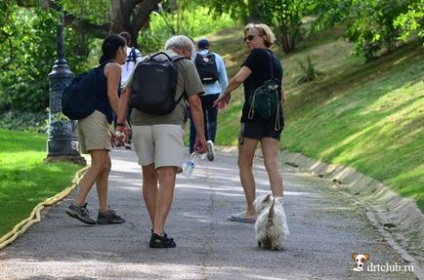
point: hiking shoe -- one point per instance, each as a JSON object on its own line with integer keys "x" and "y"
{"x": 161, "y": 242}
{"x": 210, "y": 150}
{"x": 109, "y": 218}
{"x": 128, "y": 146}
{"x": 80, "y": 212}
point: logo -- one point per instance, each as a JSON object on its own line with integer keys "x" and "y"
{"x": 360, "y": 261}
{"x": 362, "y": 265}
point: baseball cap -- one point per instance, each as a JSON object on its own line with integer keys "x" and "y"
{"x": 203, "y": 44}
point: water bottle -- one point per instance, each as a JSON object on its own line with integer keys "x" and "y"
{"x": 190, "y": 165}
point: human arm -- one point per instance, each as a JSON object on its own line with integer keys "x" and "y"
{"x": 112, "y": 72}
{"x": 123, "y": 107}
{"x": 138, "y": 56}
{"x": 236, "y": 81}
{"x": 222, "y": 73}
{"x": 196, "y": 113}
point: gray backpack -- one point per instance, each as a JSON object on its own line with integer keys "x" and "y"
{"x": 154, "y": 86}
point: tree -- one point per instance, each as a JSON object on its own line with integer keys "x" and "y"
{"x": 284, "y": 16}
{"x": 375, "y": 26}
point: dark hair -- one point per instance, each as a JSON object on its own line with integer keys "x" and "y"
{"x": 127, "y": 37}
{"x": 110, "y": 46}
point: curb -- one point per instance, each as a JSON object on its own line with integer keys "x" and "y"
{"x": 35, "y": 215}
{"x": 398, "y": 219}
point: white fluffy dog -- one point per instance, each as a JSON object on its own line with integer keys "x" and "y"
{"x": 271, "y": 225}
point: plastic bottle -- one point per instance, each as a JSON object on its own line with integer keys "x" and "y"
{"x": 190, "y": 165}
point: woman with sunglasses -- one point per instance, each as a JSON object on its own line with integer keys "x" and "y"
{"x": 260, "y": 65}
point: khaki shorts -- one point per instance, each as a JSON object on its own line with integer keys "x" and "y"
{"x": 93, "y": 133}
{"x": 161, "y": 144}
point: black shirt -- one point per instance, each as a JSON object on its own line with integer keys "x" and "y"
{"x": 260, "y": 62}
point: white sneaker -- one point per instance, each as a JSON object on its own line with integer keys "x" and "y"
{"x": 210, "y": 150}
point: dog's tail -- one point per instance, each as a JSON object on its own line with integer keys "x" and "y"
{"x": 271, "y": 212}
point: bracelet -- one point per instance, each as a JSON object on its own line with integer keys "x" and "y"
{"x": 120, "y": 124}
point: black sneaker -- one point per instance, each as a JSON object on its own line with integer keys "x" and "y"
{"x": 109, "y": 218}
{"x": 157, "y": 241}
{"x": 80, "y": 212}
{"x": 210, "y": 150}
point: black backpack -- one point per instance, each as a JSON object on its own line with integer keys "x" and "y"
{"x": 132, "y": 56}
{"x": 79, "y": 98}
{"x": 155, "y": 84}
{"x": 206, "y": 67}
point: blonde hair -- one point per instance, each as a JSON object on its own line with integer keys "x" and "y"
{"x": 181, "y": 42}
{"x": 264, "y": 30}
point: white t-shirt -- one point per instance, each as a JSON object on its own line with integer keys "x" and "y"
{"x": 129, "y": 63}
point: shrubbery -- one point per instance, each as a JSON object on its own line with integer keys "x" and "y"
{"x": 24, "y": 121}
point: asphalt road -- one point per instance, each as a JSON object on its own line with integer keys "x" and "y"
{"x": 326, "y": 228}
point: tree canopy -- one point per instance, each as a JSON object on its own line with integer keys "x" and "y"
{"x": 28, "y": 33}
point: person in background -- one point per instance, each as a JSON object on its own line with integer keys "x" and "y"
{"x": 212, "y": 71}
{"x": 158, "y": 140}
{"x": 133, "y": 56}
{"x": 93, "y": 134}
{"x": 260, "y": 65}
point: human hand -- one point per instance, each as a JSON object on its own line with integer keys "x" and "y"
{"x": 200, "y": 144}
{"x": 119, "y": 136}
{"x": 222, "y": 101}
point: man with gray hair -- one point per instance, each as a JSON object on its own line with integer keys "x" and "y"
{"x": 158, "y": 139}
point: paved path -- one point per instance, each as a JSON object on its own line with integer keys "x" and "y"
{"x": 326, "y": 228}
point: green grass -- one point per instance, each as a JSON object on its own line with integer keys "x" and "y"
{"x": 25, "y": 180}
{"x": 368, "y": 116}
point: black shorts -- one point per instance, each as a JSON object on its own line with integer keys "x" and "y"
{"x": 258, "y": 131}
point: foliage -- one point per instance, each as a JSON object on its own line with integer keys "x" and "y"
{"x": 25, "y": 62}
{"x": 25, "y": 121}
{"x": 28, "y": 33}
{"x": 412, "y": 21}
{"x": 376, "y": 27}
{"x": 193, "y": 21}
{"x": 308, "y": 72}
{"x": 374, "y": 31}
{"x": 285, "y": 17}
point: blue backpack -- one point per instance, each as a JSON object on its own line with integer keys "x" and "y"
{"x": 79, "y": 98}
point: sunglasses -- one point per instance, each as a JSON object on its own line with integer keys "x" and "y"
{"x": 250, "y": 38}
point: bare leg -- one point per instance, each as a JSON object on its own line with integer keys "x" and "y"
{"x": 245, "y": 163}
{"x": 150, "y": 189}
{"x": 100, "y": 163}
{"x": 164, "y": 197}
{"x": 102, "y": 184}
{"x": 270, "y": 152}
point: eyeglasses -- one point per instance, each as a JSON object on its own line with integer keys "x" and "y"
{"x": 250, "y": 38}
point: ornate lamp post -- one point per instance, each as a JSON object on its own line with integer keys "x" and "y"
{"x": 62, "y": 143}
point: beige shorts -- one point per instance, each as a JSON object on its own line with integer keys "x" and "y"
{"x": 161, "y": 144}
{"x": 93, "y": 133}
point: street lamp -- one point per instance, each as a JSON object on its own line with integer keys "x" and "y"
{"x": 62, "y": 143}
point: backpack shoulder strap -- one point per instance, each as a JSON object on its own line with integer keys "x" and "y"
{"x": 133, "y": 55}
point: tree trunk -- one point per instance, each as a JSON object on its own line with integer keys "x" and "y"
{"x": 131, "y": 16}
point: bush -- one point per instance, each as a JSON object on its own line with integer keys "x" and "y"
{"x": 308, "y": 71}
{"x": 24, "y": 121}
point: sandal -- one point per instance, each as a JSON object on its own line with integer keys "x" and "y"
{"x": 157, "y": 241}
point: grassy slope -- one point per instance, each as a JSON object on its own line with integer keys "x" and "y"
{"x": 25, "y": 180}
{"x": 368, "y": 116}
